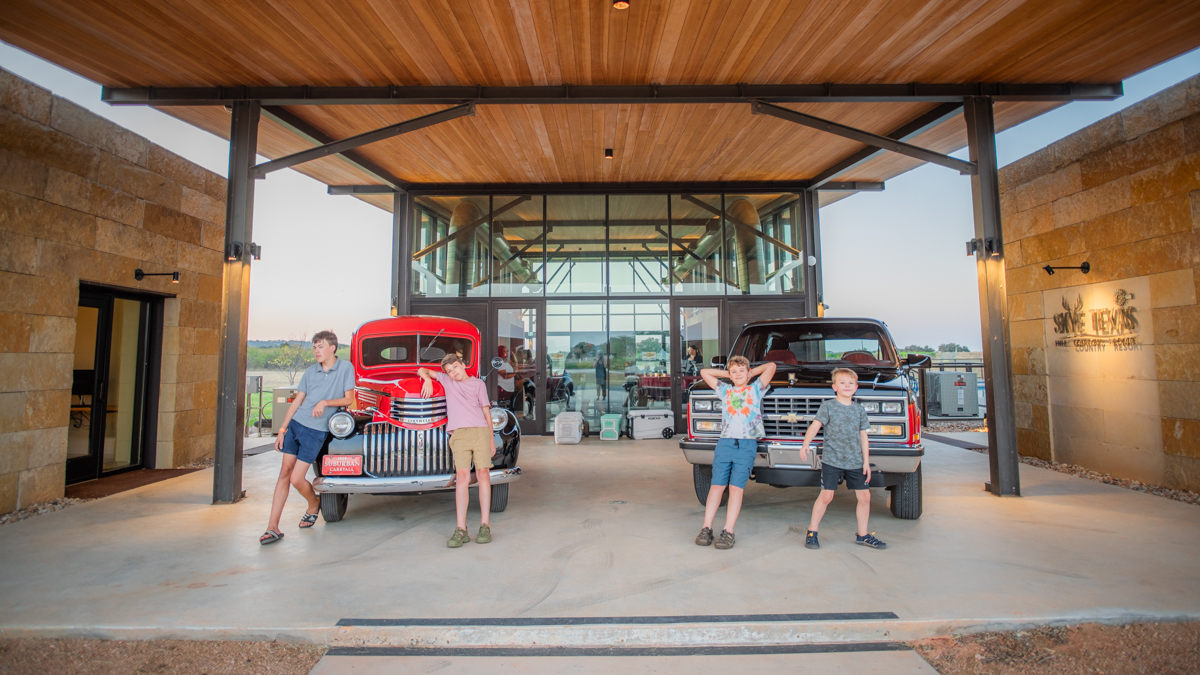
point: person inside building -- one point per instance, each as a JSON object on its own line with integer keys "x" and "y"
{"x": 505, "y": 380}
{"x": 325, "y": 386}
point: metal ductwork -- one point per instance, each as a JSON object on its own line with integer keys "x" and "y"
{"x": 461, "y": 262}
{"x": 749, "y": 250}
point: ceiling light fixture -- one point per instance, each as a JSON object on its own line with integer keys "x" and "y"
{"x": 608, "y": 153}
{"x": 620, "y": 4}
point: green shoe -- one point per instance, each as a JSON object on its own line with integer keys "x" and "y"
{"x": 484, "y": 536}
{"x": 460, "y": 537}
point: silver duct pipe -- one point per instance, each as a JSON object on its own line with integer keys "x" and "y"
{"x": 460, "y": 251}
{"x": 750, "y": 253}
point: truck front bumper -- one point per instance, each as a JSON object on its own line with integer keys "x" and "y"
{"x": 785, "y": 455}
{"x": 401, "y": 484}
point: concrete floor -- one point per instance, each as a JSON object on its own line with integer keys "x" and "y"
{"x": 599, "y": 530}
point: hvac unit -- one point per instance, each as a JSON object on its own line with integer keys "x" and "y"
{"x": 952, "y": 394}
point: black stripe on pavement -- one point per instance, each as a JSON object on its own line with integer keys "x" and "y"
{"x": 521, "y": 652}
{"x": 606, "y": 620}
{"x": 970, "y": 445}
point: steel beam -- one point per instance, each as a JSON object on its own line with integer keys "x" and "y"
{"x": 310, "y": 133}
{"x": 699, "y": 188}
{"x": 605, "y": 94}
{"x": 235, "y": 303}
{"x": 401, "y": 244}
{"x": 390, "y": 131}
{"x": 763, "y": 108}
{"x": 360, "y": 190}
{"x": 916, "y": 127}
{"x": 993, "y": 301}
{"x": 810, "y": 231}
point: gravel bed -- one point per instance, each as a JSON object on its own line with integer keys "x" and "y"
{"x": 119, "y": 657}
{"x": 1166, "y": 648}
{"x": 955, "y": 427}
{"x": 202, "y": 463}
{"x": 38, "y": 509}
{"x": 1075, "y": 470}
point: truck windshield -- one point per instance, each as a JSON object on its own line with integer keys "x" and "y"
{"x": 833, "y": 343}
{"x": 391, "y": 350}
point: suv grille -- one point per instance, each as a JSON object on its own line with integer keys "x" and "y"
{"x": 419, "y": 410}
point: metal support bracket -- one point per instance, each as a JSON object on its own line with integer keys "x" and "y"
{"x": 764, "y": 108}
{"x": 336, "y": 147}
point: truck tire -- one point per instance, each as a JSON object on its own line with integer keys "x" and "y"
{"x": 499, "y": 497}
{"x": 906, "y": 497}
{"x": 702, "y": 477}
{"x": 333, "y": 506}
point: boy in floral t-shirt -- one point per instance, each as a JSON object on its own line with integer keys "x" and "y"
{"x": 741, "y": 415}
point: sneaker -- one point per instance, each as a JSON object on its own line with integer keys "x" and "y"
{"x": 460, "y": 537}
{"x": 725, "y": 540}
{"x": 810, "y": 540}
{"x": 484, "y": 536}
{"x": 705, "y": 538}
{"x": 869, "y": 540}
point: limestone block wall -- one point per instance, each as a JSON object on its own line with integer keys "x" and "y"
{"x": 1107, "y": 364}
{"x": 84, "y": 200}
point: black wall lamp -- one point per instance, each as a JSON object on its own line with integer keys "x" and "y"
{"x": 138, "y": 275}
{"x": 608, "y": 153}
{"x": 1085, "y": 268}
{"x": 990, "y": 246}
{"x": 235, "y": 251}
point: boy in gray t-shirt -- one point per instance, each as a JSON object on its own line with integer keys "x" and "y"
{"x": 845, "y": 455}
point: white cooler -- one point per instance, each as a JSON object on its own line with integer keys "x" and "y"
{"x": 568, "y": 428}
{"x": 645, "y": 424}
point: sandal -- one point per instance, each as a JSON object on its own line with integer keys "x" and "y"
{"x": 308, "y": 521}
{"x": 270, "y": 537}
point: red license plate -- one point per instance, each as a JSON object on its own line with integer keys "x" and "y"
{"x": 342, "y": 465}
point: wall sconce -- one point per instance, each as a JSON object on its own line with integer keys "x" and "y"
{"x": 138, "y": 275}
{"x": 1085, "y": 268}
{"x": 608, "y": 154}
{"x": 234, "y": 252}
{"x": 990, "y": 246}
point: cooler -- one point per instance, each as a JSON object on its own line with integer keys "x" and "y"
{"x": 568, "y": 428}
{"x": 610, "y": 427}
{"x": 645, "y": 424}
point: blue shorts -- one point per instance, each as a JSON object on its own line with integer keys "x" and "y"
{"x": 733, "y": 460}
{"x": 303, "y": 442}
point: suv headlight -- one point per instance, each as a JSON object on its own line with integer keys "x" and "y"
{"x": 341, "y": 424}
{"x": 498, "y": 419}
{"x": 702, "y": 404}
{"x": 870, "y": 406}
{"x": 886, "y": 430}
{"x": 893, "y": 407}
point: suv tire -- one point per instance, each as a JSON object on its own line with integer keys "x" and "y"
{"x": 906, "y": 496}
{"x": 333, "y": 506}
{"x": 499, "y": 497}
{"x": 702, "y": 477}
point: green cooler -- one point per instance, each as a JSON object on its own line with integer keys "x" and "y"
{"x": 610, "y": 427}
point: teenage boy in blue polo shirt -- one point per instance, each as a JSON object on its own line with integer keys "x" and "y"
{"x": 326, "y": 386}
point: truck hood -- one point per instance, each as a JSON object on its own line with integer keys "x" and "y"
{"x": 869, "y": 377}
{"x": 399, "y": 384}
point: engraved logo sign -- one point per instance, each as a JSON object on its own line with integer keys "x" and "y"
{"x": 1108, "y": 317}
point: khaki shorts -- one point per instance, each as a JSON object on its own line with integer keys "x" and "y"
{"x": 468, "y": 442}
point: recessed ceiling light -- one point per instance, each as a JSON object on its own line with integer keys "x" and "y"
{"x": 608, "y": 154}
{"x": 621, "y": 4}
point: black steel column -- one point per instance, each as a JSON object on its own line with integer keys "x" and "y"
{"x": 402, "y": 232}
{"x": 235, "y": 303}
{"x": 993, "y": 301}
{"x": 811, "y": 229}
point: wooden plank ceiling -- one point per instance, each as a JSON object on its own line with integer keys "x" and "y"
{"x": 126, "y": 43}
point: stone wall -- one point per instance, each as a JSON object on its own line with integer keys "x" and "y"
{"x": 84, "y": 200}
{"x": 1107, "y": 364}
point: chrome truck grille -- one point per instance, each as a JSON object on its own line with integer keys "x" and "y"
{"x": 419, "y": 410}
{"x": 392, "y": 451}
{"x": 789, "y": 415}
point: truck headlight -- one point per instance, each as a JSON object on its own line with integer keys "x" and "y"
{"x": 886, "y": 430}
{"x": 893, "y": 408}
{"x": 498, "y": 419}
{"x": 705, "y": 425}
{"x": 341, "y": 424}
{"x": 700, "y": 404}
{"x": 870, "y": 406}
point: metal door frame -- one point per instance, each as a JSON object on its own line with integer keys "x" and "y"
{"x": 537, "y": 426}
{"x": 677, "y": 304}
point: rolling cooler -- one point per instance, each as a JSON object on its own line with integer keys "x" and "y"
{"x": 568, "y": 428}
{"x": 645, "y": 424}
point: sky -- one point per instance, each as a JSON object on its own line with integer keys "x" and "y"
{"x": 896, "y": 255}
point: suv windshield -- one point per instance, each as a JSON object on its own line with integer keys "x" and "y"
{"x": 834, "y": 343}
{"x": 390, "y": 350}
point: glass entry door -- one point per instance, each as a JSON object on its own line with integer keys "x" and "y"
{"x": 519, "y": 382}
{"x": 696, "y": 338}
{"x": 109, "y": 386}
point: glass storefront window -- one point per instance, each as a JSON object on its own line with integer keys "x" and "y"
{"x": 517, "y": 245}
{"x": 637, "y": 244}
{"x": 696, "y": 243}
{"x": 452, "y": 246}
{"x": 576, "y": 249}
{"x": 757, "y": 261}
{"x": 639, "y": 374}
{"x": 576, "y": 342}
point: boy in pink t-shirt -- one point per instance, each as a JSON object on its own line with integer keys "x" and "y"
{"x": 468, "y": 421}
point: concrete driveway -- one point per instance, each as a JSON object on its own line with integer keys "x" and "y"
{"x": 601, "y": 532}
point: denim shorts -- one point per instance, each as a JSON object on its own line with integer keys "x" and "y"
{"x": 733, "y": 460}
{"x": 832, "y": 475}
{"x": 303, "y": 442}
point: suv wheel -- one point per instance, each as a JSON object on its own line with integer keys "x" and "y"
{"x": 702, "y": 477}
{"x": 906, "y": 497}
{"x": 333, "y": 506}
{"x": 499, "y": 497}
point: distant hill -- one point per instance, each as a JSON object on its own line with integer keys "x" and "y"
{"x": 267, "y": 344}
